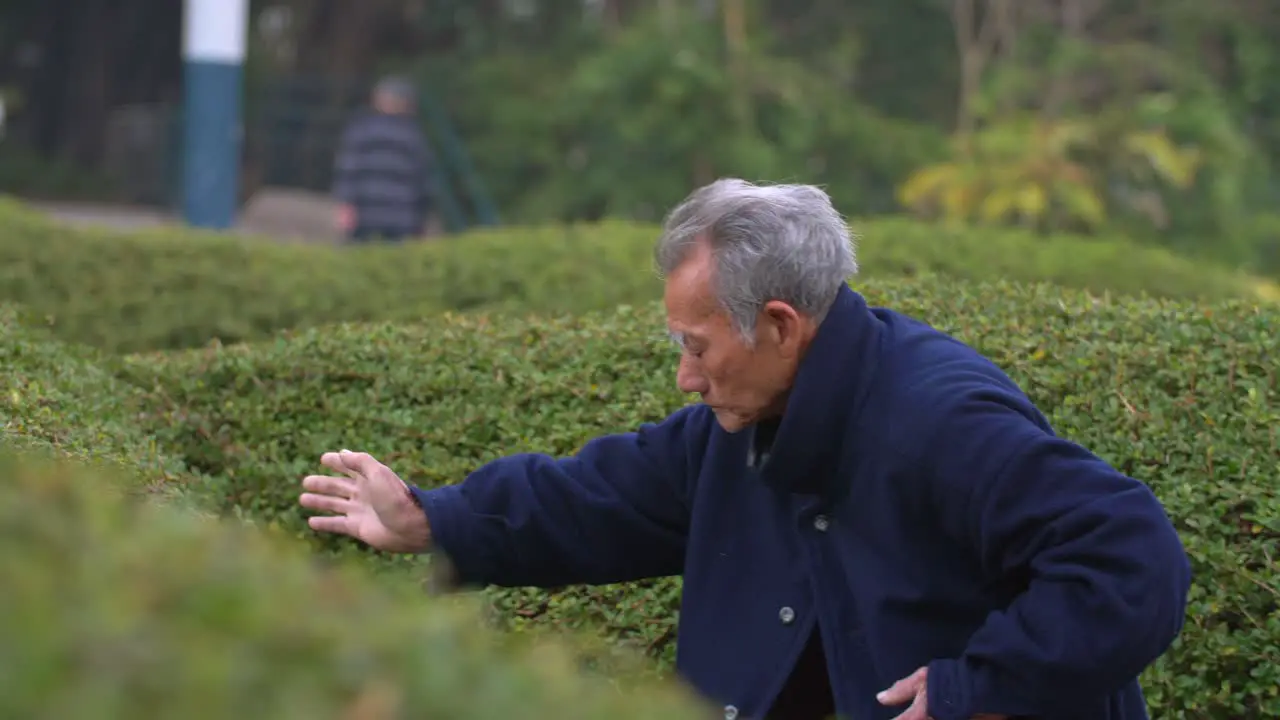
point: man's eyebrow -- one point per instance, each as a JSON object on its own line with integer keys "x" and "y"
{"x": 683, "y": 339}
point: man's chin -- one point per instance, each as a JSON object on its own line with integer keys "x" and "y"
{"x": 731, "y": 422}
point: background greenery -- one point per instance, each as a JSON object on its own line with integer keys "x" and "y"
{"x": 170, "y": 289}
{"x": 1155, "y": 120}
{"x": 1083, "y": 190}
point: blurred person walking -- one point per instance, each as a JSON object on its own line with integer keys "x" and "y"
{"x": 382, "y": 169}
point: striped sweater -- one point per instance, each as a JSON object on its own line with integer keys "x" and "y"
{"x": 383, "y": 170}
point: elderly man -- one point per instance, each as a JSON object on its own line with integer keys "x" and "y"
{"x": 870, "y": 518}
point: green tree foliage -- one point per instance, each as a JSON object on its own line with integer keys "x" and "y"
{"x": 859, "y": 97}
{"x": 666, "y": 103}
{"x": 575, "y": 110}
{"x": 1032, "y": 172}
{"x": 1071, "y": 133}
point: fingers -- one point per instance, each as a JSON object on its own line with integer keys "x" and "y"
{"x": 351, "y": 463}
{"x": 904, "y": 690}
{"x": 363, "y": 463}
{"x": 339, "y": 524}
{"x": 326, "y": 503}
{"x": 917, "y": 711}
{"x": 339, "y": 487}
{"x": 333, "y": 461}
{"x": 909, "y": 689}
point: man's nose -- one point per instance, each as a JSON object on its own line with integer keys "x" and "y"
{"x": 689, "y": 379}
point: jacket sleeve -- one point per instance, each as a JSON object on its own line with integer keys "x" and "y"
{"x": 618, "y": 510}
{"x": 1108, "y": 576}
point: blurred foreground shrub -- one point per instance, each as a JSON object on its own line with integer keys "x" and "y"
{"x": 119, "y": 609}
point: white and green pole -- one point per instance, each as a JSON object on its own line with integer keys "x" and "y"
{"x": 215, "y": 34}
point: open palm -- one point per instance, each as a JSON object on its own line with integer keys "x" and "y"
{"x": 370, "y": 503}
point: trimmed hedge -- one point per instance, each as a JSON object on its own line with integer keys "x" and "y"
{"x": 115, "y": 608}
{"x": 1181, "y": 396}
{"x": 60, "y": 398}
{"x": 170, "y": 288}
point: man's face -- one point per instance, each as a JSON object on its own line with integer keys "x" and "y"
{"x": 742, "y": 384}
{"x": 390, "y": 104}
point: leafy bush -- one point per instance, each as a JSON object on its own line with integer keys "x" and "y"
{"x": 169, "y": 288}
{"x": 57, "y": 397}
{"x": 1181, "y": 396}
{"x": 114, "y": 608}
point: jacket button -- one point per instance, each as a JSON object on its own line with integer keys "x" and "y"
{"x": 821, "y": 523}
{"x": 730, "y": 712}
{"x": 786, "y": 615}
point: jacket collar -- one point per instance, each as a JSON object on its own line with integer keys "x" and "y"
{"x": 830, "y": 388}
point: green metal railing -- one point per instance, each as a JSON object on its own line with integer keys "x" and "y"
{"x": 455, "y": 157}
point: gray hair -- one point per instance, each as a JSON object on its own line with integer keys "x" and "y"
{"x": 768, "y": 242}
{"x": 396, "y": 86}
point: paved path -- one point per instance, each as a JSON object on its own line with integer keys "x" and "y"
{"x": 279, "y": 214}
{"x": 114, "y": 216}
{"x": 286, "y": 215}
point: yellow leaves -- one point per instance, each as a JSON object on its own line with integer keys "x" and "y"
{"x": 929, "y": 181}
{"x": 996, "y": 205}
{"x": 1032, "y": 200}
{"x": 1170, "y": 163}
{"x": 1017, "y": 171}
{"x": 1084, "y": 204}
{"x": 1265, "y": 290}
{"x": 1049, "y": 173}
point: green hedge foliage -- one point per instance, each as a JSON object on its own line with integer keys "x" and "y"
{"x": 115, "y": 608}
{"x": 1179, "y": 395}
{"x": 61, "y": 398}
{"x": 171, "y": 288}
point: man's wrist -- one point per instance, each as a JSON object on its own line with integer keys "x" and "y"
{"x": 418, "y": 529}
{"x": 950, "y": 696}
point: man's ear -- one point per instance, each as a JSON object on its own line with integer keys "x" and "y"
{"x": 785, "y": 327}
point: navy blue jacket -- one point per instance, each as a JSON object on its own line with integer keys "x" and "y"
{"x": 915, "y": 505}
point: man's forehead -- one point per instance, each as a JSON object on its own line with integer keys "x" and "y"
{"x": 683, "y": 331}
{"x": 690, "y": 298}
{"x": 692, "y": 308}
{"x": 693, "y": 275}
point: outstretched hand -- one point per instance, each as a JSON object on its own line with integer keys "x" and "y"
{"x": 371, "y": 504}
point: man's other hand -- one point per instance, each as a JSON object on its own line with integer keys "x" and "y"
{"x": 370, "y": 503}
{"x": 346, "y": 217}
{"x": 914, "y": 689}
